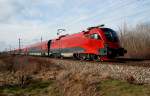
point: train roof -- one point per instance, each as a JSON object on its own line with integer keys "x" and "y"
{"x": 36, "y": 44}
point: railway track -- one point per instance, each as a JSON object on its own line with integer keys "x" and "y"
{"x": 118, "y": 61}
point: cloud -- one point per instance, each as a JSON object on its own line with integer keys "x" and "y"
{"x": 7, "y": 10}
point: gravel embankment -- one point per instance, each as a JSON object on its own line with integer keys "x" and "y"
{"x": 123, "y": 72}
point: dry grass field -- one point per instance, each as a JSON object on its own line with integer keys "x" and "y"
{"x": 36, "y": 76}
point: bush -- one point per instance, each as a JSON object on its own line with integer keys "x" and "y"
{"x": 22, "y": 68}
{"x": 136, "y": 40}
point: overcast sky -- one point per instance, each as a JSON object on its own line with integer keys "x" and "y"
{"x": 31, "y": 19}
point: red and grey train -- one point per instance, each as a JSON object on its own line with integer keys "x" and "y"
{"x": 97, "y": 43}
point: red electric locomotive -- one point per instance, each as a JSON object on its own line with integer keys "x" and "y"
{"x": 97, "y": 43}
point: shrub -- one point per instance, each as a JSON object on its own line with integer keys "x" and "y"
{"x": 136, "y": 40}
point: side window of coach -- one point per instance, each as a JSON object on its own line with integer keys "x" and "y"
{"x": 95, "y": 36}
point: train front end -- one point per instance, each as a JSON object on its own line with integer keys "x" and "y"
{"x": 111, "y": 45}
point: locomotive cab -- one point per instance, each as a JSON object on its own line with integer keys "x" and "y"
{"x": 112, "y": 47}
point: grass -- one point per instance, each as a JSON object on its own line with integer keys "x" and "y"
{"x": 120, "y": 88}
{"x": 107, "y": 87}
{"x": 22, "y": 70}
{"x": 38, "y": 87}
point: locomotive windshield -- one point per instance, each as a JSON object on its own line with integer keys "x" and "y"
{"x": 110, "y": 34}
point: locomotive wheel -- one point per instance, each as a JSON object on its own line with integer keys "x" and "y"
{"x": 94, "y": 57}
{"x": 97, "y": 58}
{"x": 76, "y": 56}
{"x": 82, "y": 56}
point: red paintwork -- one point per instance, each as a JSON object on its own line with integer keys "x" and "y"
{"x": 79, "y": 40}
